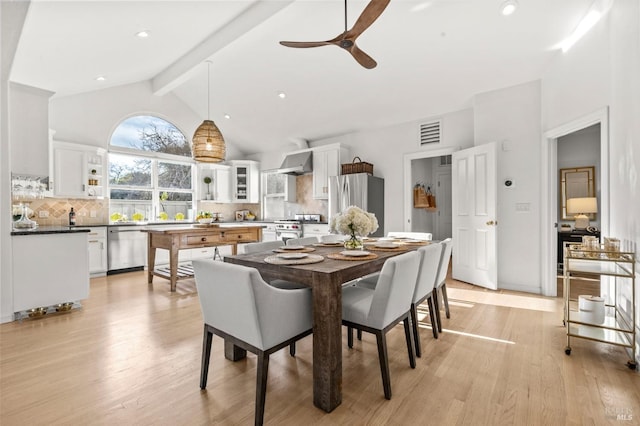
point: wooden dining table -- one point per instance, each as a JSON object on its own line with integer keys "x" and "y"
{"x": 325, "y": 279}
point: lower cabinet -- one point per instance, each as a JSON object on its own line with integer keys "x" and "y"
{"x": 97, "y": 239}
{"x": 314, "y": 229}
{"x": 49, "y": 269}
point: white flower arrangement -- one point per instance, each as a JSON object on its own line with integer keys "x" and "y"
{"x": 354, "y": 222}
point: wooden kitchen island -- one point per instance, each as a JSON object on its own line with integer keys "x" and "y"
{"x": 176, "y": 239}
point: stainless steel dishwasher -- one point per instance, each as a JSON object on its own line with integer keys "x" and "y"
{"x": 126, "y": 248}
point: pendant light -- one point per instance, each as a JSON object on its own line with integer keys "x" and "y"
{"x": 208, "y": 143}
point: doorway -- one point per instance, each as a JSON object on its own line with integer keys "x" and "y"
{"x": 550, "y": 188}
{"x": 433, "y": 170}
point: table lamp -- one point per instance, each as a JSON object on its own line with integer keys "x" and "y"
{"x": 580, "y": 207}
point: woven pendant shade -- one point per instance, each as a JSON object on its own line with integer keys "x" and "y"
{"x": 208, "y": 143}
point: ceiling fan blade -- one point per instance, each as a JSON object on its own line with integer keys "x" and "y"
{"x": 362, "y": 58}
{"x": 304, "y": 43}
{"x": 368, "y": 16}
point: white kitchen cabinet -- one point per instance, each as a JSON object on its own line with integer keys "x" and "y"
{"x": 245, "y": 181}
{"x": 49, "y": 269}
{"x": 79, "y": 171}
{"x": 314, "y": 229}
{"x": 326, "y": 162}
{"x": 219, "y": 189}
{"x": 97, "y": 239}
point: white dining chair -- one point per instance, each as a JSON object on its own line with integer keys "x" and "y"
{"x": 304, "y": 241}
{"x": 269, "y": 246}
{"x": 240, "y": 307}
{"x": 441, "y": 281}
{"x": 414, "y": 235}
{"x": 379, "y": 310}
{"x": 331, "y": 238}
{"x": 425, "y": 283}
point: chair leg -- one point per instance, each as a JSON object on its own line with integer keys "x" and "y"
{"x": 207, "y": 338}
{"x": 445, "y": 300}
{"x": 436, "y": 304}
{"x": 409, "y": 336}
{"x": 384, "y": 363}
{"x": 350, "y": 337}
{"x": 432, "y": 317}
{"x": 261, "y": 386}
{"x": 416, "y": 333}
{"x": 292, "y": 349}
{"x": 359, "y": 334}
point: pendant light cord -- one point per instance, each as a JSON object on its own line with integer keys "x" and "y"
{"x": 208, "y": 90}
{"x": 345, "y": 16}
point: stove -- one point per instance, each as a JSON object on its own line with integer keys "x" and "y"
{"x": 292, "y": 228}
{"x": 287, "y": 229}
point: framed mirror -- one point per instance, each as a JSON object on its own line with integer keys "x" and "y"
{"x": 576, "y": 182}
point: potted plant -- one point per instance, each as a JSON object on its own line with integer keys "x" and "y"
{"x": 207, "y": 180}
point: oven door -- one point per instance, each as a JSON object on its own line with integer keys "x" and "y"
{"x": 284, "y": 235}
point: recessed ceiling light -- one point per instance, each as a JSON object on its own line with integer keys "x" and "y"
{"x": 282, "y": 95}
{"x": 101, "y": 78}
{"x": 508, "y": 7}
{"x": 143, "y": 34}
{"x": 227, "y": 116}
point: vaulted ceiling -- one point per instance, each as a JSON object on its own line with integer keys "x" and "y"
{"x": 433, "y": 56}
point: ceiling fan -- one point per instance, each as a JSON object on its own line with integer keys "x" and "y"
{"x": 347, "y": 40}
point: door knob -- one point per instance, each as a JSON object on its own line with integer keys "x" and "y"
{"x": 490, "y": 222}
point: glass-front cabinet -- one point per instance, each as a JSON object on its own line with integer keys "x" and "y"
{"x": 245, "y": 182}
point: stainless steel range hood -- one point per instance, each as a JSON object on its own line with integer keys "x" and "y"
{"x": 297, "y": 164}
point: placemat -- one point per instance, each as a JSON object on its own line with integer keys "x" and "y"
{"x": 302, "y": 250}
{"x": 312, "y": 258}
{"x": 328, "y": 244}
{"x": 372, "y": 247}
{"x": 338, "y": 256}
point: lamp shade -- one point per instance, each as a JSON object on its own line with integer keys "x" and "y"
{"x": 582, "y": 205}
{"x": 208, "y": 143}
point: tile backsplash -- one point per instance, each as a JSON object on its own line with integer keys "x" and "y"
{"x": 88, "y": 212}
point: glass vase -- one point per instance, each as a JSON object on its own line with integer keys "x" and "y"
{"x": 353, "y": 243}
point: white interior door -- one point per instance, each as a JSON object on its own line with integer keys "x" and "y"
{"x": 474, "y": 216}
{"x": 443, "y": 201}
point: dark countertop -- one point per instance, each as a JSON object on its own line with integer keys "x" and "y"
{"x": 42, "y": 230}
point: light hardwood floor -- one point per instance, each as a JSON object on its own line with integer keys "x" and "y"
{"x": 131, "y": 355}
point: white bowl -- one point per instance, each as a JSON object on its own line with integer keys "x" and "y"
{"x": 291, "y": 247}
{"x": 205, "y": 220}
{"x": 355, "y": 253}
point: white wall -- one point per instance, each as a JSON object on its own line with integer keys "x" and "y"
{"x": 511, "y": 117}
{"x": 90, "y": 118}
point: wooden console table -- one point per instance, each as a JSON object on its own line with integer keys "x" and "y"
{"x": 178, "y": 239}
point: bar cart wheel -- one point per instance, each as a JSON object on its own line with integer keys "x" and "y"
{"x": 632, "y": 365}
{"x": 567, "y": 351}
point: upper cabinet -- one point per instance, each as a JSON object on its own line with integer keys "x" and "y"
{"x": 79, "y": 171}
{"x": 326, "y": 162}
{"x": 245, "y": 181}
{"x": 219, "y": 187}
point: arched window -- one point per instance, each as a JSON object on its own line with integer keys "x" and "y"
{"x": 150, "y": 171}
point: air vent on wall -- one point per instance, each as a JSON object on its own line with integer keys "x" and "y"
{"x": 430, "y": 132}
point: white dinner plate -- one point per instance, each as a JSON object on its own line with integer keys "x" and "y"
{"x": 292, "y": 255}
{"x": 291, "y": 247}
{"x": 413, "y": 241}
{"x": 355, "y": 253}
{"x": 386, "y": 244}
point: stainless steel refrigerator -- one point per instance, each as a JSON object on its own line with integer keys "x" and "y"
{"x": 361, "y": 190}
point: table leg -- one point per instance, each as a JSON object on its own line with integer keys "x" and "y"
{"x": 327, "y": 342}
{"x": 151, "y": 259}
{"x": 173, "y": 266}
{"x": 233, "y": 352}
